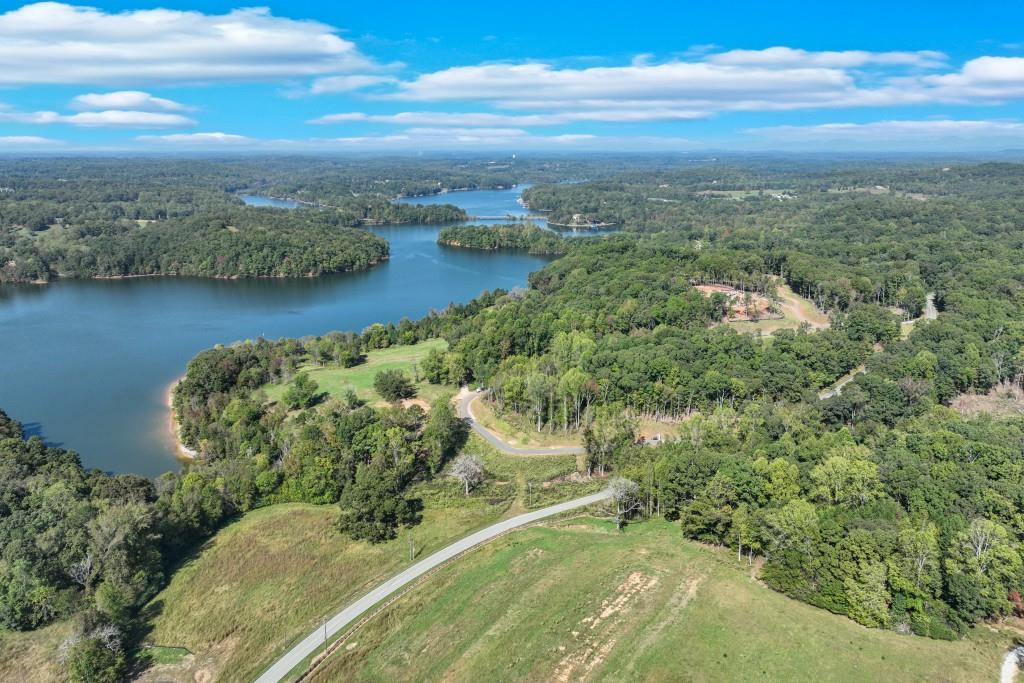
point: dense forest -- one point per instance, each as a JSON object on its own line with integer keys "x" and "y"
{"x": 232, "y": 242}
{"x": 527, "y": 237}
{"x": 879, "y": 501}
{"x": 114, "y": 218}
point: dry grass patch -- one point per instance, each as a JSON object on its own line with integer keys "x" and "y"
{"x": 265, "y": 581}
{"x": 1004, "y": 400}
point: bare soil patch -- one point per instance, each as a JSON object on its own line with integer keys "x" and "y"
{"x": 598, "y": 633}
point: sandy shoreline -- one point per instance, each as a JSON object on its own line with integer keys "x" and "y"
{"x": 181, "y": 449}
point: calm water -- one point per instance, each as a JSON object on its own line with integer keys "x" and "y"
{"x": 259, "y": 200}
{"x": 86, "y": 364}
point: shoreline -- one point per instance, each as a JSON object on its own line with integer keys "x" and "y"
{"x": 181, "y": 450}
{"x": 137, "y": 276}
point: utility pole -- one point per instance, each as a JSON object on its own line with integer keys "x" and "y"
{"x": 412, "y": 548}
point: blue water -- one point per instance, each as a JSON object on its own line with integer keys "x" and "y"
{"x": 86, "y": 364}
{"x": 260, "y": 200}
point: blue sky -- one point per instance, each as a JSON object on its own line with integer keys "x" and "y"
{"x": 528, "y": 76}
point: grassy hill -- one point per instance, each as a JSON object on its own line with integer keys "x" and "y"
{"x": 337, "y": 380}
{"x": 264, "y": 581}
{"x": 579, "y": 601}
{"x": 31, "y": 656}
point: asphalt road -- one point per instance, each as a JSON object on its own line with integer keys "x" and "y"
{"x": 350, "y": 614}
{"x": 467, "y": 397}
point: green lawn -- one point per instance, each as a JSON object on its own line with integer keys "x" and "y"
{"x": 579, "y": 601}
{"x": 337, "y": 380}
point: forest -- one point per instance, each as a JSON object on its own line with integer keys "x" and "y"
{"x": 526, "y": 237}
{"x": 98, "y": 218}
{"x": 879, "y": 502}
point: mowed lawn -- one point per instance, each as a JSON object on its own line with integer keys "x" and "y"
{"x": 264, "y": 581}
{"x": 580, "y": 601}
{"x": 337, "y": 380}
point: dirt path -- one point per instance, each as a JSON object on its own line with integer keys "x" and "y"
{"x": 802, "y": 310}
{"x": 930, "y": 313}
{"x": 1011, "y": 665}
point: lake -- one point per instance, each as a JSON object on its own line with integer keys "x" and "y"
{"x": 87, "y": 363}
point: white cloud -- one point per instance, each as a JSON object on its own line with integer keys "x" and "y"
{"x": 937, "y": 134}
{"x": 990, "y": 78}
{"x": 115, "y": 118}
{"x": 25, "y": 141}
{"x": 135, "y": 100}
{"x": 51, "y": 42}
{"x": 201, "y": 138}
{"x": 414, "y": 140}
{"x": 680, "y": 82}
{"x": 780, "y": 56}
{"x": 430, "y": 118}
{"x": 773, "y": 79}
{"x": 112, "y": 118}
{"x": 336, "y": 84}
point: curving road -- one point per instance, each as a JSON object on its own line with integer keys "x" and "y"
{"x": 347, "y": 616}
{"x": 466, "y": 397}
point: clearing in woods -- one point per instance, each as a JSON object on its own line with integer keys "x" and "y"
{"x": 793, "y": 311}
{"x": 336, "y": 380}
{"x": 576, "y": 600}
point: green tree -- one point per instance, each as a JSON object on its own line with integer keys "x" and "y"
{"x": 373, "y": 506}
{"x": 302, "y": 393}
{"x": 393, "y": 385}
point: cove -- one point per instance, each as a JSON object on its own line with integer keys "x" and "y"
{"x": 86, "y": 363}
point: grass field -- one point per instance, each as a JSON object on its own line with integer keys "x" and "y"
{"x": 579, "y": 601}
{"x": 263, "y": 582}
{"x": 795, "y": 311}
{"x": 336, "y": 380}
{"x": 31, "y": 657}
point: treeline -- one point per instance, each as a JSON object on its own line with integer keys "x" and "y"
{"x": 80, "y": 542}
{"x": 618, "y": 321}
{"x": 235, "y": 242}
{"x": 528, "y": 237}
{"x": 108, "y": 218}
{"x": 915, "y": 528}
{"x": 306, "y": 447}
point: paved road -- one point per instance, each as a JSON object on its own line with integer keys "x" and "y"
{"x": 347, "y": 616}
{"x": 466, "y": 397}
